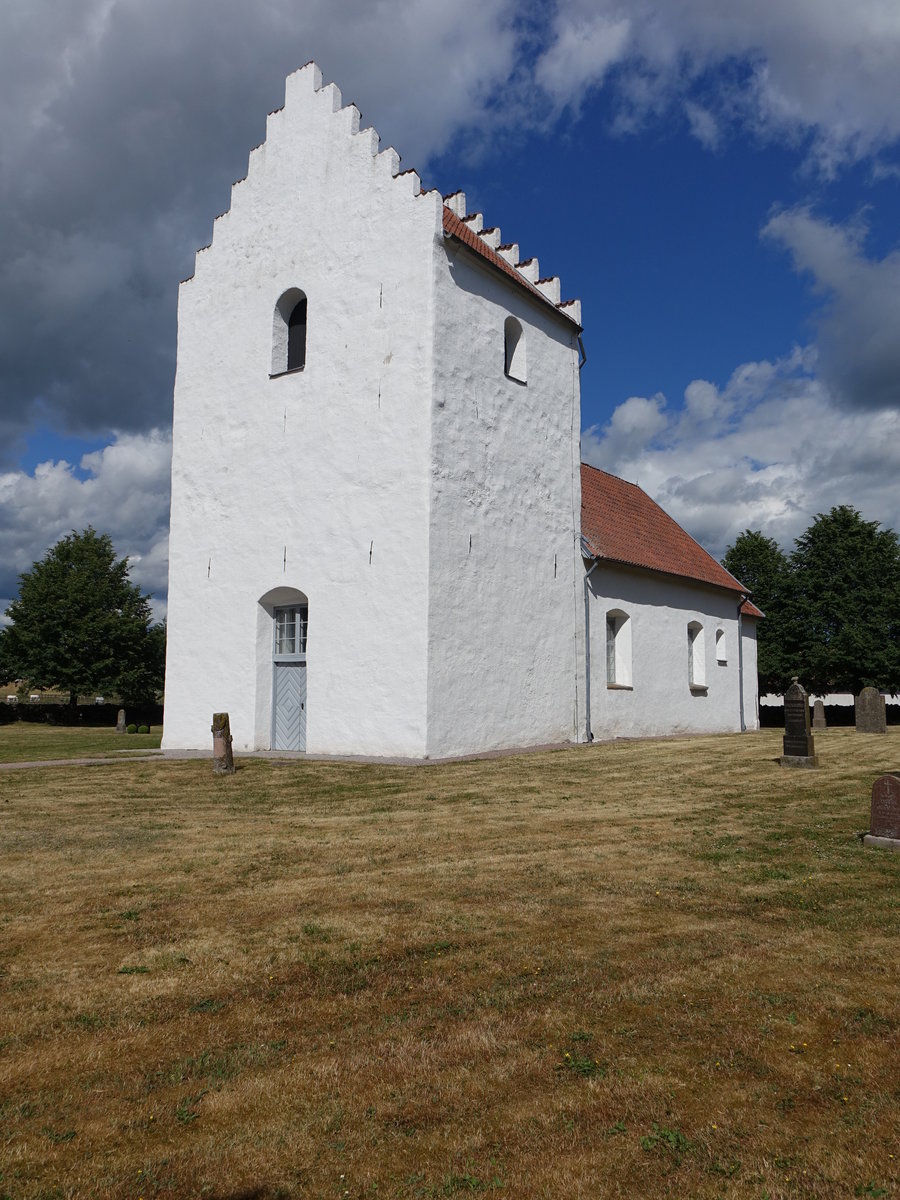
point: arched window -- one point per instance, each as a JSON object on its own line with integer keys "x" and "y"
{"x": 514, "y": 350}
{"x": 721, "y": 647}
{"x": 618, "y": 649}
{"x": 289, "y": 332}
{"x": 696, "y": 656}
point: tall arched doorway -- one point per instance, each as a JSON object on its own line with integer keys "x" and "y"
{"x": 289, "y": 610}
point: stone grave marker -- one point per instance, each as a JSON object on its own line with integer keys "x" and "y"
{"x": 819, "y": 721}
{"x": 799, "y": 744}
{"x": 884, "y": 819}
{"x": 870, "y": 712}
{"x": 223, "y": 758}
{"x": 120, "y": 722}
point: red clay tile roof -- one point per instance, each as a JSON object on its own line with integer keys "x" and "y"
{"x": 457, "y": 228}
{"x": 620, "y": 522}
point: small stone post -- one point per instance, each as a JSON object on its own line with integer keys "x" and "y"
{"x": 120, "y": 722}
{"x": 223, "y": 758}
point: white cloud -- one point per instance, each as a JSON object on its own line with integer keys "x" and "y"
{"x": 634, "y": 424}
{"x": 788, "y": 68}
{"x": 859, "y": 327}
{"x": 768, "y": 451}
{"x": 704, "y": 125}
{"x": 585, "y": 46}
{"x": 126, "y": 494}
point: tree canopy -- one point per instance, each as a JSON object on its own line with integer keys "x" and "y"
{"x": 79, "y": 624}
{"x": 764, "y": 569}
{"x": 832, "y": 607}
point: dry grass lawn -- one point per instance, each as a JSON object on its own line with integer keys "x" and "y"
{"x": 646, "y": 969}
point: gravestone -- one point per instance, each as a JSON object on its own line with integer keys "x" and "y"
{"x": 819, "y": 721}
{"x": 870, "y": 712}
{"x": 799, "y": 745}
{"x": 120, "y": 722}
{"x": 884, "y": 819}
{"x": 223, "y": 758}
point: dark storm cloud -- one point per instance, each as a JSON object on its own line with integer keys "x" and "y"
{"x": 125, "y": 124}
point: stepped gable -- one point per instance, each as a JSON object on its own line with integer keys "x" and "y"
{"x": 620, "y": 523}
{"x": 306, "y": 85}
{"x": 466, "y": 228}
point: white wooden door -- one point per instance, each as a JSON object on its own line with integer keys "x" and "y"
{"x": 289, "y": 706}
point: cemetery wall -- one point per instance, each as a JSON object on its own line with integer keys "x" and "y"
{"x": 838, "y": 716}
{"x": 94, "y": 716}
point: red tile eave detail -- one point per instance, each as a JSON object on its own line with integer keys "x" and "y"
{"x": 621, "y": 524}
{"x": 454, "y": 227}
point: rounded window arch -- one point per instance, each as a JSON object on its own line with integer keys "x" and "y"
{"x": 289, "y": 332}
{"x": 514, "y": 362}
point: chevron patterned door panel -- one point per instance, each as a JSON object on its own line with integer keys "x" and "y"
{"x": 289, "y": 701}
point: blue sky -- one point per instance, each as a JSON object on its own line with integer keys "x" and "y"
{"x": 718, "y": 182}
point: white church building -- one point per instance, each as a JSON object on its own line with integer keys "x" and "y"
{"x": 383, "y": 541}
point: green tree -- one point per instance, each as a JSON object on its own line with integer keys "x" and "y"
{"x": 79, "y": 624}
{"x": 765, "y": 570}
{"x": 845, "y": 604}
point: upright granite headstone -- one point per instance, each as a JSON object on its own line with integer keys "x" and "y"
{"x": 223, "y": 757}
{"x": 884, "y": 820}
{"x": 120, "y": 723}
{"x": 870, "y": 711}
{"x": 799, "y": 745}
{"x": 819, "y": 721}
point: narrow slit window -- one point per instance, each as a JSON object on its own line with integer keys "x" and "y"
{"x": 618, "y": 649}
{"x": 721, "y": 647}
{"x": 289, "y": 332}
{"x": 696, "y": 657}
{"x": 514, "y": 363}
{"x": 296, "y": 356}
{"x": 610, "y": 649}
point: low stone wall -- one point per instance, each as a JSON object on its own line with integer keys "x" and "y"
{"x": 93, "y": 716}
{"x": 771, "y": 716}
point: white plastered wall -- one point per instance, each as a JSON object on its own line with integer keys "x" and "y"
{"x": 660, "y": 700}
{"x": 506, "y": 499}
{"x": 316, "y": 480}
